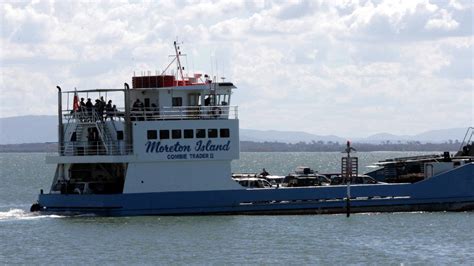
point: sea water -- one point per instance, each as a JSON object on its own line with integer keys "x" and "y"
{"x": 376, "y": 238}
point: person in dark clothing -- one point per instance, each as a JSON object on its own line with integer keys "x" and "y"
{"x": 102, "y": 101}
{"x": 207, "y": 101}
{"x": 109, "y": 110}
{"x": 102, "y": 105}
{"x": 82, "y": 104}
{"x": 82, "y": 109}
{"x": 89, "y": 107}
{"x": 108, "y": 106}
{"x": 137, "y": 105}
{"x": 98, "y": 109}
{"x": 89, "y": 104}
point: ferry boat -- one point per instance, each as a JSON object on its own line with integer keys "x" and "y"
{"x": 168, "y": 151}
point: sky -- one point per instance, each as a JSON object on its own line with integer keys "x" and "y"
{"x": 348, "y": 68}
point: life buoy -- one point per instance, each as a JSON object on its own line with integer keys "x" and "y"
{"x": 216, "y": 111}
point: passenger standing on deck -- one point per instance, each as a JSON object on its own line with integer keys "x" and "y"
{"x": 82, "y": 105}
{"x": 207, "y": 101}
{"x": 138, "y": 107}
{"x": 82, "y": 109}
{"x": 109, "y": 111}
{"x": 98, "y": 109}
{"x": 89, "y": 107}
{"x": 102, "y": 101}
{"x": 102, "y": 106}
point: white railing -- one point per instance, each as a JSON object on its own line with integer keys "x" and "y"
{"x": 163, "y": 113}
{"x": 88, "y": 148}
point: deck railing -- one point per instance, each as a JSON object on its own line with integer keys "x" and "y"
{"x": 151, "y": 114}
{"x": 88, "y": 148}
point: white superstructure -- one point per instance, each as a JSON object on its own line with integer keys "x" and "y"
{"x": 169, "y": 134}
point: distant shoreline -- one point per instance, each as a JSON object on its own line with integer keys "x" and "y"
{"x": 29, "y": 147}
{"x": 251, "y": 146}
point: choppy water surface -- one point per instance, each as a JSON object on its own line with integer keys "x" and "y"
{"x": 418, "y": 238}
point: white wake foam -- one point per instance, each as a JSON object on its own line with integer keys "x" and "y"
{"x": 19, "y": 214}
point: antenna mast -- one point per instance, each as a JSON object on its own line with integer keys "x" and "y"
{"x": 178, "y": 54}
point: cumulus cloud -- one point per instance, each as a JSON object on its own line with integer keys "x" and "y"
{"x": 327, "y": 67}
{"x": 443, "y": 21}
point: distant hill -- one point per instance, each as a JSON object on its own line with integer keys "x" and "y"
{"x": 41, "y": 129}
{"x": 30, "y": 147}
{"x": 434, "y": 136}
{"x": 285, "y": 136}
{"x": 28, "y": 129}
{"x": 442, "y": 135}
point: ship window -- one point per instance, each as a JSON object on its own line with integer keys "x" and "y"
{"x": 151, "y": 134}
{"x": 194, "y": 99}
{"x": 200, "y": 133}
{"x": 188, "y": 134}
{"x": 210, "y": 100}
{"x": 177, "y": 101}
{"x": 224, "y": 133}
{"x": 176, "y": 133}
{"x": 212, "y": 133}
{"x": 164, "y": 134}
{"x": 119, "y": 135}
{"x": 225, "y": 99}
{"x": 74, "y": 136}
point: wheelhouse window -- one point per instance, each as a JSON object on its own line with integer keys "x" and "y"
{"x": 212, "y": 133}
{"x": 188, "y": 134}
{"x": 194, "y": 99}
{"x": 164, "y": 134}
{"x": 218, "y": 99}
{"x": 222, "y": 99}
{"x": 176, "y": 133}
{"x": 224, "y": 133}
{"x": 200, "y": 133}
{"x": 151, "y": 134}
{"x": 177, "y": 101}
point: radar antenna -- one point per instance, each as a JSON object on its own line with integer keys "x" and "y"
{"x": 176, "y": 58}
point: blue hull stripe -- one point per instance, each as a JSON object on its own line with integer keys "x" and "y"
{"x": 453, "y": 190}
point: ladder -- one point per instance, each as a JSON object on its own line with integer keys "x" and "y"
{"x": 105, "y": 136}
{"x": 349, "y": 167}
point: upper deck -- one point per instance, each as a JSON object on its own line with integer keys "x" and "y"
{"x": 118, "y": 122}
{"x": 109, "y": 128}
{"x": 189, "y": 102}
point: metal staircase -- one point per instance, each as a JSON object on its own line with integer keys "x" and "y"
{"x": 104, "y": 135}
{"x": 79, "y": 130}
{"x": 106, "y": 140}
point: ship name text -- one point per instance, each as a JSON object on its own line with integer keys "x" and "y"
{"x": 200, "y": 146}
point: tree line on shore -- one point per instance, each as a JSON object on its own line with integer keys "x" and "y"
{"x": 320, "y": 146}
{"x": 314, "y": 146}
